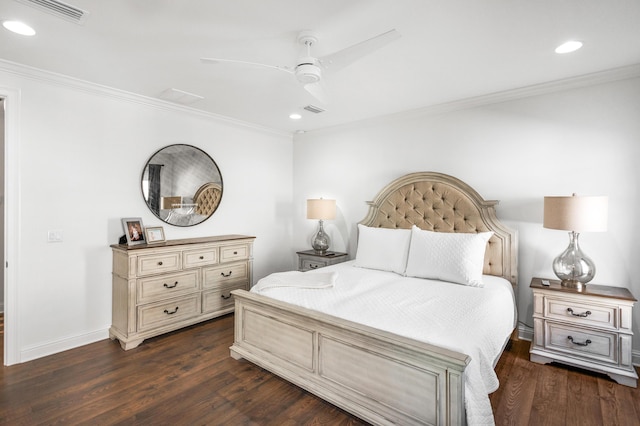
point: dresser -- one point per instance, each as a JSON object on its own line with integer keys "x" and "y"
{"x": 590, "y": 329}
{"x": 162, "y": 287}
{"x": 309, "y": 259}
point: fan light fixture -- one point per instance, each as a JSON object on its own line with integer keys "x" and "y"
{"x": 569, "y": 46}
{"x": 19, "y": 28}
{"x": 575, "y": 214}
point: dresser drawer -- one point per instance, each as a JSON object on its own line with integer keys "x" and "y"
{"x": 219, "y": 299}
{"x": 153, "y": 289}
{"x": 159, "y": 263}
{"x": 214, "y": 277}
{"x": 585, "y": 343}
{"x": 196, "y": 258}
{"x": 163, "y": 313}
{"x": 235, "y": 252}
{"x": 588, "y": 314}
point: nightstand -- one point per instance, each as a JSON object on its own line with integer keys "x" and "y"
{"x": 590, "y": 329}
{"x": 309, "y": 259}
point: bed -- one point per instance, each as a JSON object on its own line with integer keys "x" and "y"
{"x": 401, "y": 373}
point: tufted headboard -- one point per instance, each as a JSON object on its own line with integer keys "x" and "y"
{"x": 207, "y": 198}
{"x": 442, "y": 203}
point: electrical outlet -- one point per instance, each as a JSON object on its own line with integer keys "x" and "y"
{"x": 54, "y": 236}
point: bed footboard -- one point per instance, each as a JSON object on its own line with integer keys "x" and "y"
{"x": 378, "y": 376}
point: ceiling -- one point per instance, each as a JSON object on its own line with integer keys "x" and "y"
{"x": 448, "y": 50}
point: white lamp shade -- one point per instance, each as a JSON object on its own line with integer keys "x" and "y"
{"x": 576, "y": 213}
{"x": 321, "y": 209}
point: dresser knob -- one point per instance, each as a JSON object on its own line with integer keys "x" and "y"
{"x": 226, "y": 275}
{"x": 226, "y": 297}
{"x": 171, "y": 313}
{"x": 171, "y": 286}
{"x": 235, "y": 252}
{"x": 160, "y": 263}
{"x": 201, "y": 257}
{"x": 312, "y": 266}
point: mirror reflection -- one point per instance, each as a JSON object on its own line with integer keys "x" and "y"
{"x": 182, "y": 185}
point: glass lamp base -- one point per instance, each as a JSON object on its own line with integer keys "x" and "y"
{"x": 321, "y": 241}
{"x": 573, "y": 267}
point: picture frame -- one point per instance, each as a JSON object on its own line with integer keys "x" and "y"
{"x": 154, "y": 234}
{"x": 134, "y": 231}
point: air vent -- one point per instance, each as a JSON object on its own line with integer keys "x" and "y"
{"x": 314, "y": 109}
{"x": 180, "y": 96}
{"x": 59, "y": 9}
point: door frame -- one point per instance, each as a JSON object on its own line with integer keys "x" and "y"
{"x": 11, "y": 224}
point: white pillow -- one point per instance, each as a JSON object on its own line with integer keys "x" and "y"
{"x": 453, "y": 257}
{"x": 382, "y": 248}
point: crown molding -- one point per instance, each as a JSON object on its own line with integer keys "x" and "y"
{"x": 105, "y": 91}
{"x": 592, "y": 79}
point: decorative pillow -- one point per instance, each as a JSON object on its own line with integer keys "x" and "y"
{"x": 453, "y": 257}
{"x": 382, "y": 248}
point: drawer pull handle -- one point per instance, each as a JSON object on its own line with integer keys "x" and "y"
{"x": 201, "y": 257}
{"x": 226, "y": 275}
{"x": 582, "y": 315}
{"x": 586, "y": 343}
{"x": 312, "y": 266}
{"x": 235, "y": 252}
{"x": 171, "y": 313}
{"x": 226, "y": 297}
{"x": 160, "y": 263}
{"x": 171, "y": 286}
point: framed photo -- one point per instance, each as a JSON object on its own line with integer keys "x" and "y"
{"x": 154, "y": 234}
{"x": 133, "y": 230}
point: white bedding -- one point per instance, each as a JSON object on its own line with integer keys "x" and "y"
{"x": 471, "y": 320}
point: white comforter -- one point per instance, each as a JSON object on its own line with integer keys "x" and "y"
{"x": 471, "y": 320}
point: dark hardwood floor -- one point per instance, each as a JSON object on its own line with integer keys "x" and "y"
{"x": 187, "y": 377}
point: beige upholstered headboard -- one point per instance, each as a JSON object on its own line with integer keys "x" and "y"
{"x": 442, "y": 203}
{"x": 207, "y": 198}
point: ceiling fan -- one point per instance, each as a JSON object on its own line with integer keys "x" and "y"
{"x": 308, "y": 70}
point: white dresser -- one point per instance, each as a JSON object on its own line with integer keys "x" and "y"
{"x": 589, "y": 329}
{"x": 162, "y": 287}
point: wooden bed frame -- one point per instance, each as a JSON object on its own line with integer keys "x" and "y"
{"x": 378, "y": 376}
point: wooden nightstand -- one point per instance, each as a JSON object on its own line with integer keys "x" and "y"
{"x": 590, "y": 329}
{"x": 309, "y": 259}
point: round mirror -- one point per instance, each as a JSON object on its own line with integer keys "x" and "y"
{"x": 182, "y": 185}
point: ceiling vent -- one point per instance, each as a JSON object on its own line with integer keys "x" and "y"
{"x": 314, "y": 109}
{"x": 180, "y": 96}
{"x": 59, "y": 9}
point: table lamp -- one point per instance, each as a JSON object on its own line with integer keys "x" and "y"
{"x": 575, "y": 214}
{"x": 321, "y": 209}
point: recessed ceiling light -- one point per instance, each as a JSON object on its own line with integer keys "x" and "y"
{"x": 295, "y": 116}
{"x": 569, "y": 46}
{"x": 19, "y": 28}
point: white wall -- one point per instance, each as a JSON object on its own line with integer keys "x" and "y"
{"x": 584, "y": 140}
{"x": 81, "y": 153}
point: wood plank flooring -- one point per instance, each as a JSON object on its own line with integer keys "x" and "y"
{"x": 187, "y": 377}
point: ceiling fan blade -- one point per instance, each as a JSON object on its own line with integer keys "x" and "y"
{"x": 253, "y": 64}
{"x": 317, "y": 91}
{"x": 347, "y": 56}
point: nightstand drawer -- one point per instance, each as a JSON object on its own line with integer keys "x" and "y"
{"x": 312, "y": 264}
{"x": 581, "y": 313}
{"x": 598, "y": 345}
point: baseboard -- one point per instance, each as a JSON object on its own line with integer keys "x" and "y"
{"x": 526, "y": 333}
{"x": 50, "y": 348}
